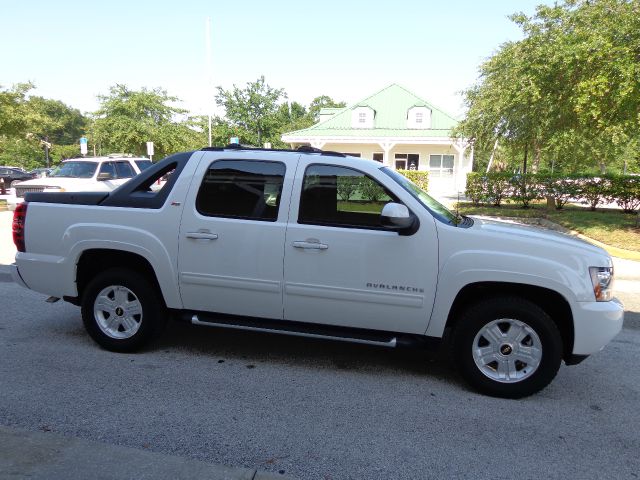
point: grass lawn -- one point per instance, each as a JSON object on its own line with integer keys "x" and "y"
{"x": 609, "y": 226}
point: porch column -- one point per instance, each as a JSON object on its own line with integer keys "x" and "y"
{"x": 459, "y": 172}
{"x": 387, "y": 147}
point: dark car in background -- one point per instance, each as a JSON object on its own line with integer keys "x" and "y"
{"x": 12, "y": 176}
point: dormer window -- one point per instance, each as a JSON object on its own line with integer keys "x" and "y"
{"x": 419, "y": 117}
{"x": 362, "y": 117}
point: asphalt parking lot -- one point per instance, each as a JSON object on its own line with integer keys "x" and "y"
{"x": 315, "y": 409}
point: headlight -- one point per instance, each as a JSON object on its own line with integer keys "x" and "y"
{"x": 602, "y": 279}
{"x": 54, "y": 189}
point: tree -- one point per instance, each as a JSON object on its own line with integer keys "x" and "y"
{"x": 127, "y": 119}
{"x": 567, "y": 95}
{"x": 323, "y": 101}
{"x": 253, "y": 108}
{"x": 27, "y": 121}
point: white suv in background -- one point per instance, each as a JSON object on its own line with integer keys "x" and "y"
{"x": 97, "y": 174}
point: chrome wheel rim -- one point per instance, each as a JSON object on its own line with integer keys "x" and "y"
{"x": 507, "y": 350}
{"x": 118, "y": 312}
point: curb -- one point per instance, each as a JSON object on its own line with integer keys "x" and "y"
{"x": 39, "y": 455}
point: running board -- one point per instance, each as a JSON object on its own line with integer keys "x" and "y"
{"x": 302, "y": 330}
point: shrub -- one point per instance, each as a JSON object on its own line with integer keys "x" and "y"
{"x": 370, "y": 189}
{"x": 625, "y": 191}
{"x": 499, "y": 187}
{"x": 593, "y": 190}
{"x": 476, "y": 188}
{"x": 347, "y": 187}
{"x": 525, "y": 189}
{"x": 561, "y": 188}
{"x": 419, "y": 177}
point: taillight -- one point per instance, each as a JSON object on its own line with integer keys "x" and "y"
{"x": 19, "y": 219}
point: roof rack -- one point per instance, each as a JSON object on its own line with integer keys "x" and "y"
{"x": 300, "y": 149}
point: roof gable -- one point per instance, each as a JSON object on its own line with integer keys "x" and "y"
{"x": 391, "y": 105}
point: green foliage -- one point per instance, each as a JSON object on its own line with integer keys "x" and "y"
{"x": 493, "y": 188}
{"x": 525, "y": 189}
{"x": 568, "y": 92}
{"x": 26, "y": 121}
{"x": 476, "y": 188}
{"x": 127, "y": 119}
{"x": 21, "y": 152}
{"x": 253, "y": 108}
{"x": 370, "y": 190}
{"x": 499, "y": 187}
{"x": 625, "y": 191}
{"x": 318, "y": 103}
{"x": 561, "y": 188}
{"x": 593, "y": 190}
{"x": 419, "y": 177}
{"x": 347, "y": 187}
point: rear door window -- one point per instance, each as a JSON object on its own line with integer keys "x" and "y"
{"x": 124, "y": 170}
{"x": 242, "y": 189}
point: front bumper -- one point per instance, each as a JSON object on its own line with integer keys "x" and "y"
{"x": 595, "y": 325}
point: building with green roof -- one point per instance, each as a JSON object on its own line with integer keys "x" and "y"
{"x": 398, "y": 129}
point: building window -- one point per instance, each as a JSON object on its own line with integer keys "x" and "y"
{"x": 362, "y": 117}
{"x": 419, "y": 117}
{"x": 378, "y": 157}
{"x": 441, "y": 165}
{"x": 407, "y": 161}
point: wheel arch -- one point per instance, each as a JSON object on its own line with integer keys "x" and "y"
{"x": 97, "y": 260}
{"x": 552, "y": 302}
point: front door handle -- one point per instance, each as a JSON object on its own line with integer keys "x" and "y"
{"x": 202, "y": 235}
{"x": 310, "y": 244}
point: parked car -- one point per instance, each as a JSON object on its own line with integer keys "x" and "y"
{"x": 41, "y": 172}
{"x": 263, "y": 240}
{"x": 12, "y": 175}
{"x": 94, "y": 174}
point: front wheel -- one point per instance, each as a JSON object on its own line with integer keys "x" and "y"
{"x": 507, "y": 347}
{"x": 121, "y": 310}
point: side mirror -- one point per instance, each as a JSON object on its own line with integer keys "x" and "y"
{"x": 397, "y": 217}
{"x": 102, "y": 176}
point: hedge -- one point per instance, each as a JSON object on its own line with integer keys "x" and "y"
{"x": 495, "y": 188}
{"x": 419, "y": 177}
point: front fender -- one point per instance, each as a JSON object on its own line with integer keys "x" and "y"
{"x": 477, "y": 266}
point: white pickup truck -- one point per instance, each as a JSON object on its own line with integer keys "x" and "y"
{"x": 323, "y": 245}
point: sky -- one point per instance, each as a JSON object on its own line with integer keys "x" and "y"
{"x": 347, "y": 49}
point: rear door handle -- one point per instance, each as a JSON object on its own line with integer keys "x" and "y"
{"x": 202, "y": 235}
{"x": 310, "y": 244}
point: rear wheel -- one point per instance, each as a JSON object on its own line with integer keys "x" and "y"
{"x": 122, "y": 310}
{"x": 507, "y": 347}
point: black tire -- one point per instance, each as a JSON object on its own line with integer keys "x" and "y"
{"x": 115, "y": 324}
{"x": 497, "y": 353}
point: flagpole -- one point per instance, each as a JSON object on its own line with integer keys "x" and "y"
{"x": 209, "y": 71}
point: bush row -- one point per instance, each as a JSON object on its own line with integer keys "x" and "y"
{"x": 419, "y": 177}
{"x": 495, "y": 188}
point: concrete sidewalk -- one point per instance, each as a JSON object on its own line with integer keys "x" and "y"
{"x": 40, "y": 455}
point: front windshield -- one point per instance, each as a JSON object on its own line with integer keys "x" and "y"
{"x": 75, "y": 170}
{"x": 440, "y": 211}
